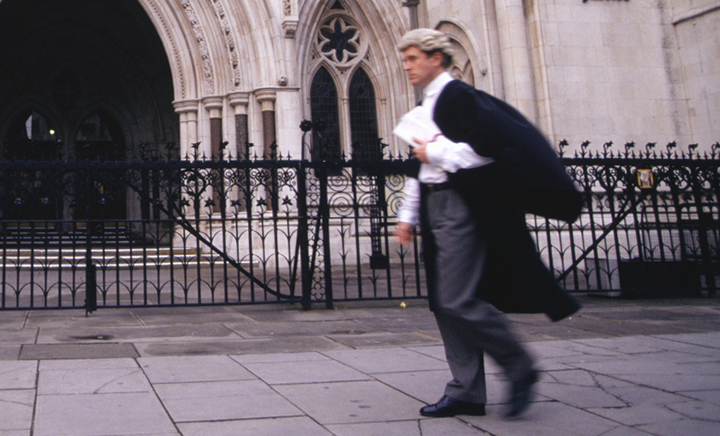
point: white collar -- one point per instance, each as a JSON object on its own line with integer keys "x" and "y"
{"x": 438, "y": 84}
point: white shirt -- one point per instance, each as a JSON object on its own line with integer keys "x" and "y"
{"x": 444, "y": 155}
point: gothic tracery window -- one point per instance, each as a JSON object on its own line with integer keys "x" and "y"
{"x": 339, "y": 40}
{"x": 342, "y": 95}
{"x": 363, "y": 117}
{"x": 324, "y": 112}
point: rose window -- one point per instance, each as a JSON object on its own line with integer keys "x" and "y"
{"x": 339, "y": 41}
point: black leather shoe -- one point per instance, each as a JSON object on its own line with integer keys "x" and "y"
{"x": 520, "y": 394}
{"x": 450, "y": 407}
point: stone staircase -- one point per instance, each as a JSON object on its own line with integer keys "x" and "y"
{"x": 25, "y": 248}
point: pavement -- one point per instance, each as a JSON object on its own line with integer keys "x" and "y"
{"x": 617, "y": 368}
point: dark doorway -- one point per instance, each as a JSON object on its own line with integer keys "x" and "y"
{"x": 82, "y": 80}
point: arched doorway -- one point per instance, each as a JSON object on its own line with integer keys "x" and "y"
{"x": 94, "y": 73}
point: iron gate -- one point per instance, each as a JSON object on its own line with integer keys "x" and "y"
{"x": 164, "y": 230}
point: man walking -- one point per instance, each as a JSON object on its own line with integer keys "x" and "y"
{"x": 479, "y": 256}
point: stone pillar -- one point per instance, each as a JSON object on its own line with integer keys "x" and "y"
{"x": 214, "y": 106}
{"x": 239, "y": 101}
{"x": 517, "y": 70}
{"x": 266, "y": 98}
{"x": 188, "y": 111}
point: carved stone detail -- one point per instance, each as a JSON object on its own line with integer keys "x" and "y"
{"x": 339, "y": 41}
{"x": 229, "y": 43}
{"x": 175, "y": 52}
{"x": 202, "y": 43}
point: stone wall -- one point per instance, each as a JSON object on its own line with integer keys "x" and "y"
{"x": 601, "y": 70}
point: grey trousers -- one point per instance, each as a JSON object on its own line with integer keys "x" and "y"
{"x": 469, "y": 326}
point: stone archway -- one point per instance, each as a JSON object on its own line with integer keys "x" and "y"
{"x": 70, "y": 59}
{"x": 78, "y": 55}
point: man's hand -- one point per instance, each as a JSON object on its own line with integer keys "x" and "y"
{"x": 405, "y": 232}
{"x": 420, "y": 151}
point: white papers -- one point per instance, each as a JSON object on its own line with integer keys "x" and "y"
{"x": 416, "y": 124}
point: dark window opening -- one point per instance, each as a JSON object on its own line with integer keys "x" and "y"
{"x": 325, "y": 116}
{"x": 363, "y": 118}
{"x": 31, "y": 137}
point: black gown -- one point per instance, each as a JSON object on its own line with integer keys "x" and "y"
{"x": 527, "y": 176}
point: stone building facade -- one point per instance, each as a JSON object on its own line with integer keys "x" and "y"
{"x": 247, "y": 72}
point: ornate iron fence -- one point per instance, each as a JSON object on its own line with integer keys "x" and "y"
{"x": 651, "y": 226}
{"x": 166, "y": 230}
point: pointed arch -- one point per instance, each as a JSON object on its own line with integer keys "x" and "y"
{"x": 472, "y": 62}
{"x": 31, "y": 136}
{"x": 369, "y": 29}
{"x": 363, "y": 117}
{"x": 325, "y": 115}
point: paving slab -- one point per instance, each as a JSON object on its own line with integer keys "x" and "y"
{"x": 77, "y": 351}
{"x": 378, "y": 360}
{"x": 285, "y": 328}
{"x": 74, "y": 318}
{"x": 18, "y": 336}
{"x": 682, "y": 427}
{"x": 351, "y": 402}
{"x": 296, "y": 426}
{"x": 180, "y": 315}
{"x": 230, "y": 347}
{"x": 708, "y": 396}
{"x": 429, "y": 386}
{"x": 179, "y": 369}
{"x": 11, "y": 317}
{"x": 434, "y": 351}
{"x": 280, "y": 357}
{"x": 9, "y": 352}
{"x": 697, "y": 410}
{"x": 191, "y": 332}
{"x": 277, "y": 373}
{"x": 424, "y": 427}
{"x": 101, "y": 414}
{"x": 16, "y": 410}
{"x": 92, "y": 381}
{"x": 227, "y": 400}
{"x": 372, "y": 340}
{"x": 581, "y": 396}
{"x": 709, "y": 340}
{"x": 544, "y": 419}
{"x": 15, "y": 432}
{"x": 636, "y": 415}
{"x": 18, "y": 375}
{"x": 399, "y": 323}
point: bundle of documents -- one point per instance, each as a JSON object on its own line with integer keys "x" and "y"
{"x": 416, "y": 124}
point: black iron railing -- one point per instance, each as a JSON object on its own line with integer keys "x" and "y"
{"x": 163, "y": 229}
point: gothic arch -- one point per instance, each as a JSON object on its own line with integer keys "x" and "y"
{"x": 471, "y": 62}
{"x": 171, "y": 28}
{"x": 375, "y": 19}
{"x": 214, "y": 47}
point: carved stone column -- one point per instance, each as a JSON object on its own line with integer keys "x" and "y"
{"x": 515, "y": 56}
{"x": 267, "y": 98}
{"x": 214, "y": 106}
{"x": 188, "y": 111}
{"x": 239, "y": 101}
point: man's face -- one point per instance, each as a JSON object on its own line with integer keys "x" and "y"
{"x": 421, "y": 69}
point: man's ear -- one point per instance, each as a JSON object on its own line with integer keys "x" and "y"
{"x": 438, "y": 58}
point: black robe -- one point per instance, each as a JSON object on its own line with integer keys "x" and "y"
{"x": 527, "y": 176}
